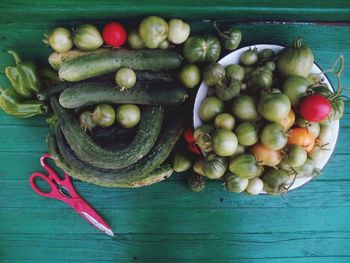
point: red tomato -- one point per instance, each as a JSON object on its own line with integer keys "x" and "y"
{"x": 193, "y": 148}
{"x": 315, "y": 107}
{"x": 114, "y": 34}
{"x": 188, "y": 135}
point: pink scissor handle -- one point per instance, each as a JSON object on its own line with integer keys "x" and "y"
{"x": 54, "y": 191}
{"x": 66, "y": 182}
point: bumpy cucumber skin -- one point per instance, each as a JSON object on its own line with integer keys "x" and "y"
{"x": 84, "y": 147}
{"x": 96, "y": 64}
{"x": 131, "y": 175}
{"x": 159, "y": 174}
{"x": 146, "y": 93}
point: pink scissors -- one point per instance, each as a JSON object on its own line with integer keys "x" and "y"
{"x": 63, "y": 190}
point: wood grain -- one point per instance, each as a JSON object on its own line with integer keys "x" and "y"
{"x": 166, "y": 222}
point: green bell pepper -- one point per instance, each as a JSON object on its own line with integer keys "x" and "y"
{"x": 12, "y": 103}
{"x": 23, "y": 76}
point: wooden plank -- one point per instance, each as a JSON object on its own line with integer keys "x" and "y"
{"x": 237, "y": 10}
{"x": 214, "y": 196}
{"x": 334, "y": 246}
{"x": 177, "y": 220}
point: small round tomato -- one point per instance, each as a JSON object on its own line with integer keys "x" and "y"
{"x": 302, "y": 137}
{"x": 266, "y": 156}
{"x": 273, "y": 136}
{"x": 249, "y": 57}
{"x": 288, "y": 121}
{"x": 114, "y": 34}
{"x": 315, "y": 107}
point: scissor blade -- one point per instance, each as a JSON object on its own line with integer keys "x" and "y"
{"x": 97, "y": 224}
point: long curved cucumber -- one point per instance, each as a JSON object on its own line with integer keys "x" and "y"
{"x": 96, "y": 64}
{"x": 159, "y": 174}
{"x": 141, "y": 170}
{"x": 84, "y": 147}
{"x": 91, "y": 93}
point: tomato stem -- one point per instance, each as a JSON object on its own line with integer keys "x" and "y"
{"x": 219, "y": 31}
{"x": 297, "y": 42}
{"x": 15, "y": 56}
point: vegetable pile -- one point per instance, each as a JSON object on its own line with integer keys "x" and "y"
{"x": 114, "y": 97}
{"x": 266, "y": 120}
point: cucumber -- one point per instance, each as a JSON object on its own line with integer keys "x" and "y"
{"x": 157, "y": 175}
{"x": 143, "y": 76}
{"x": 90, "y": 93}
{"x": 87, "y": 150}
{"x": 56, "y": 59}
{"x": 96, "y": 64}
{"x": 137, "y": 172}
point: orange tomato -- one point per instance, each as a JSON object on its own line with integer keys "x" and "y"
{"x": 265, "y": 156}
{"x": 288, "y": 121}
{"x": 302, "y": 137}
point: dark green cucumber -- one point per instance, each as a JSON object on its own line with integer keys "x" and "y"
{"x": 157, "y": 175}
{"x": 90, "y": 93}
{"x": 84, "y": 147}
{"x": 146, "y": 78}
{"x": 138, "y": 172}
{"x": 96, "y": 64}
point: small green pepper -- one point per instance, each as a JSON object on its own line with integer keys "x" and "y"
{"x": 13, "y": 104}
{"x": 23, "y": 76}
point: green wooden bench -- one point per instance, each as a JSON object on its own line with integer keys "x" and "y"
{"x": 166, "y": 222}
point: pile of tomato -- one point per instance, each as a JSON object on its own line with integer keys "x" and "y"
{"x": 266, "y": 120}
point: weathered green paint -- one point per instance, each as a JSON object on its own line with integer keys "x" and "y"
{"x": 166, "y": 222}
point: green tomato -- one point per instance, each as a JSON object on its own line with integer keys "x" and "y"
{"x": 134, "y": 40}
{"x": 228, "y": 91}
{"x": 214, "y": 166}
{"x": 210, "y": 107}
{"x": 270, "y": 65}
{"x": 295, "y": 60}
{"x": 224, "y": 142}
{"x": 203, "y": 129}
{"x": 244, "y": 108}
{"x": 181, "y": 163}
{"x": 249, "y": 57}
{"x": 274, "y": 106}
{"x": 125, "y": 78}
{"x": 153, "y": 30}
{"x": 60, "y": 39}
{"x": 103, "y": 115}
{"x": 235, "y": 183}
{"x": 276, "y": 181}
{"x": 255, "y": 186}
{"x": 164, "y": 45}
{"x": 224, "y": 121}
{"x": 204, "y": 49}
{"x": 234, "y": 72}
{"x": 85, "y": 120}
{"x": 325, "y": 135}
{"x": 87, "y": 37}
{"x": 308, "y": 168}
{"x": 190, "y": 76}
{"x": 247, "y": 134}
{"x": 314, "y": 129}
{"x": 265, "y": 55}
{"x": 128, "y": 115}
{"x": 245, "y": 166}
{"x": 196, "y": 183}
{"x": 296, "y": 155}
{"x": 273, "y": 137}
{"x": 295, "y": 87}
{"x": 260, "y": 78}
{"x": 232, "y": 39}
{"x": 179, "y": 31}
{"x": 214, "y": 74}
